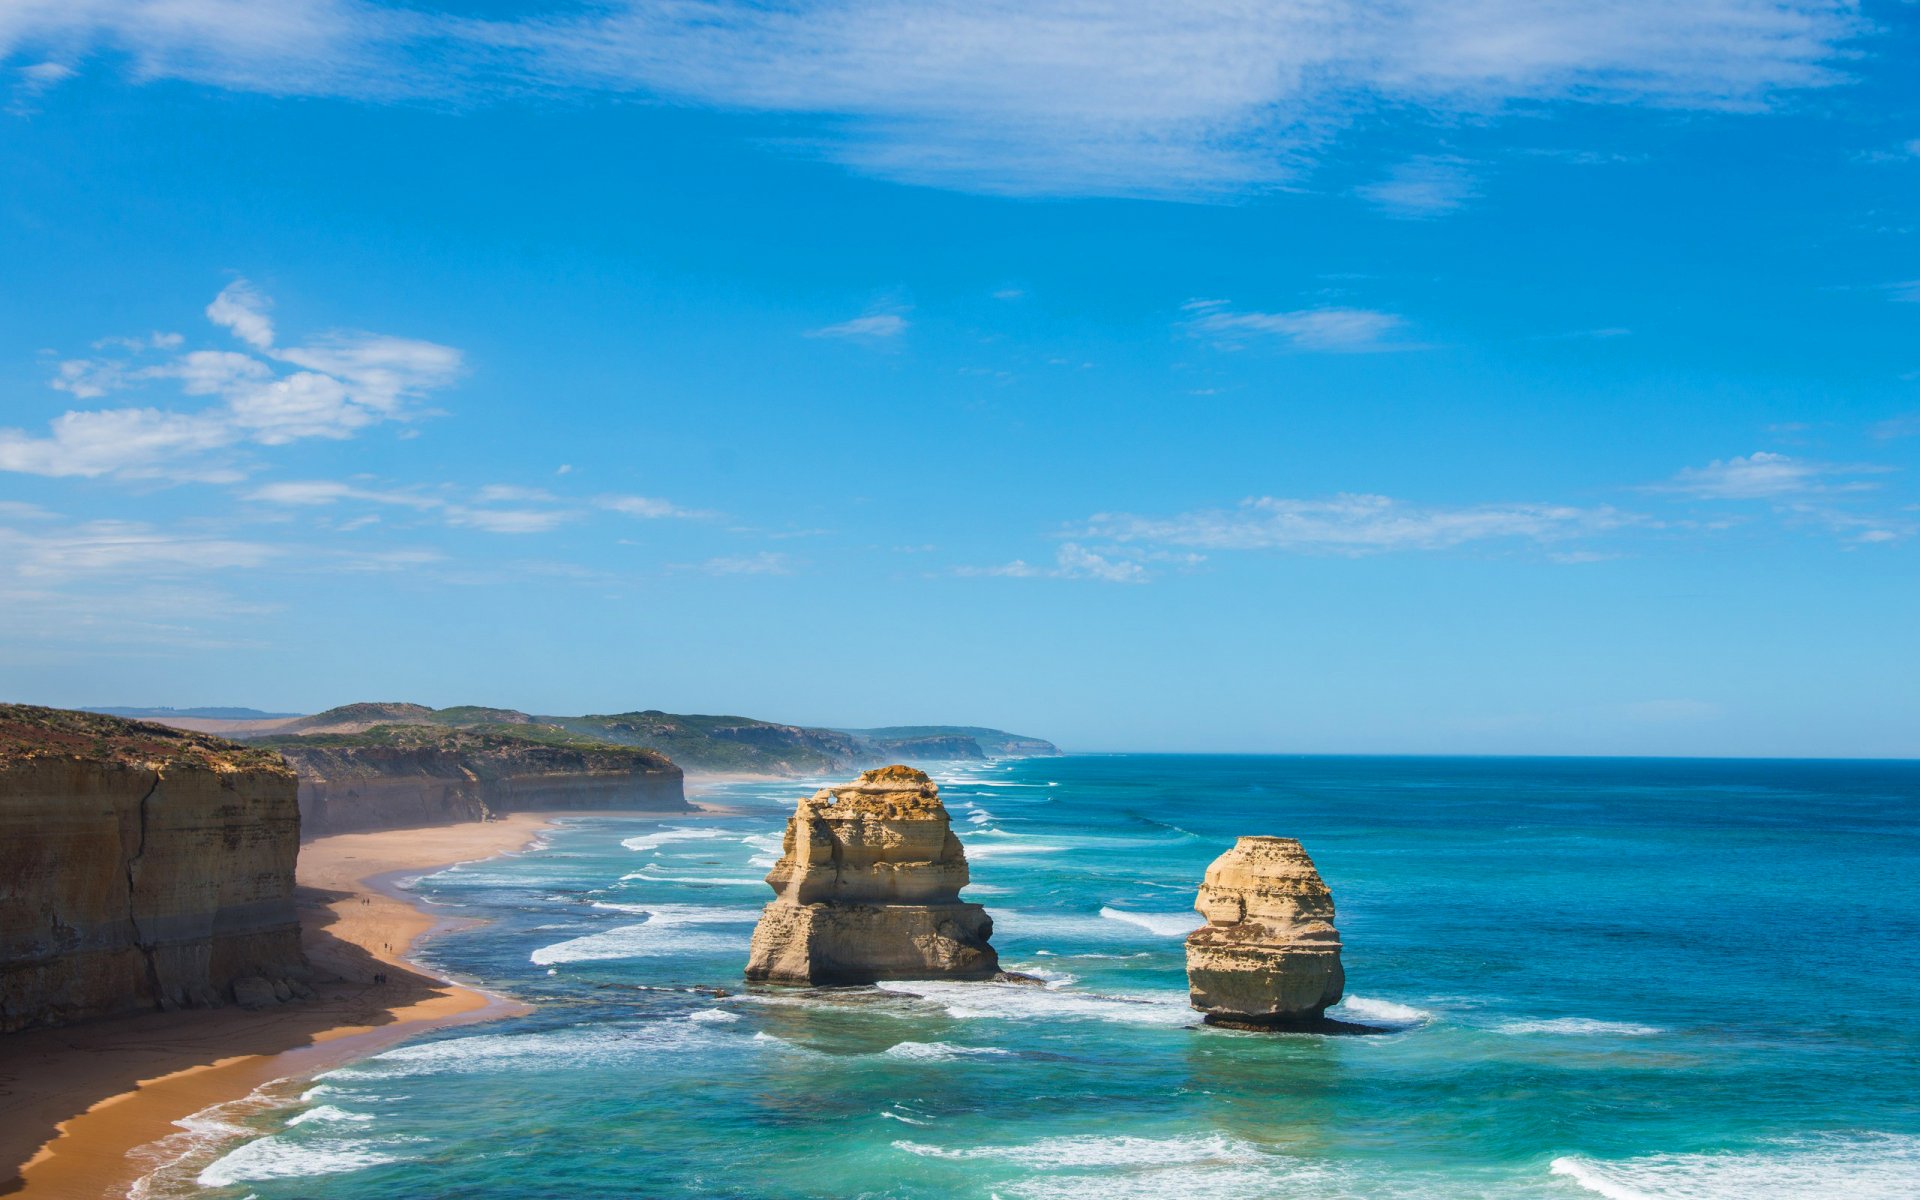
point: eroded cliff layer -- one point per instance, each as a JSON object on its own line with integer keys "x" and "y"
{"x": 141, "y": 867}
{"x": 1268, "y": 956}
{"x": 409, "y": 776}
{"x": 868, "y": 888}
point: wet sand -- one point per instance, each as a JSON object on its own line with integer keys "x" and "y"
{"x": 131, "y": 1078}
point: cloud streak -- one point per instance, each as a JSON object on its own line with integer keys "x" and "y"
{"x": 1331, "y": 330}
{"x": 1116, "y": 97}
{"x": 1355, "y": 524}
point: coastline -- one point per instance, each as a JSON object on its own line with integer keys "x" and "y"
{"x": 80, "y": 1099}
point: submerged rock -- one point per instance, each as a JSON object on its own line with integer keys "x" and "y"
{"x": 1268, "y": 956}
{"x": 868, "y": 888}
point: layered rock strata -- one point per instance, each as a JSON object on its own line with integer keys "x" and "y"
{"x": 141, "y": 867}
{"x": 1268, "y": 956}
{"x": 409, "y": 776}
{"x": 868, "y": 888}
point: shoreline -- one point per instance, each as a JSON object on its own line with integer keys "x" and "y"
{"x": 82, "y": 1099}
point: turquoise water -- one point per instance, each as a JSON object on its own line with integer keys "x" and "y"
{"x": 1624, "y": 978}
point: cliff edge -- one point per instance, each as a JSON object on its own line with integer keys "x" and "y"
{"x": 141, "y": 867}
{"x": 406, "y": 776}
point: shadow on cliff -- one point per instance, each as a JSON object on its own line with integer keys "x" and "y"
{"x": 49, "y": 1075}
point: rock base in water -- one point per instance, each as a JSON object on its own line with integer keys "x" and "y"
{"x": 868, "y": 889}
{"x": 1268, "y": 957}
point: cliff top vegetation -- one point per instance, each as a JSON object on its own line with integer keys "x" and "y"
{"x": 29, "y": 731}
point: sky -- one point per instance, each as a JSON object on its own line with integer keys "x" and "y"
{"x": 1476, "y": 377}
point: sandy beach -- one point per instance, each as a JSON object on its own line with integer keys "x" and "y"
{"x": 130, "y": 1079}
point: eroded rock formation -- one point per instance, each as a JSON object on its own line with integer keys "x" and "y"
{"x": 868, "y": 888}
{"x": 1268, "y": 956}
{"x": 408, "y": 776}
{"x": 141, "y": 867}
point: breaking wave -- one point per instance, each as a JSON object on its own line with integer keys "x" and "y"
{"x": 1579, "y": 1027}
{"x": 1170, "y": 925}
{"x": 1859, "y": 1167}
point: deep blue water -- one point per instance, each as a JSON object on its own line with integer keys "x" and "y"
{"x": 1629, "y": 978}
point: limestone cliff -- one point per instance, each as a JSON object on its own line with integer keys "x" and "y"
{"x": 407, "y": 776}
{"x": 868, "y": 888}
{"x": 1268, "y": 956}
{"x": 141, "y": 867}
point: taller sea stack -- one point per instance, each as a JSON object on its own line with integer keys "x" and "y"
{"x": 868, "y": 889}
{"x": 1268, "y": 956}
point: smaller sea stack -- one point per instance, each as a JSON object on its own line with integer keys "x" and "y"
{"x": 868, "y": 888}
{"x": 1268, "y": 956}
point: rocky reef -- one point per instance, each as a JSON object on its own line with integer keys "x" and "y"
{"x": 1268, "y": 956}
{"x": 409, "y": 776}
{"x": 141, "y": 867}
{"x": 868, "y": 888}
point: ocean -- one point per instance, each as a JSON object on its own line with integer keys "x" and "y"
{"x": 1678, "y": 979}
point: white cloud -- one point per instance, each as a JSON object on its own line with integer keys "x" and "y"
{"x": 1907, "y": 291}
{"x": 1027, "y": 96}
{"x": 1763, "y": 475}
{"x": 119, "y": 548}
{"x": 313, "y": 492}
{"x": 1355, "y": 525}
{"x": 1338, "y": 330}
{"x": 763, "y": 563}
{"x": 873, "y": 325}
{"x": 1423, "y": 187}
{"x": 243, "y": 311}
{"x": 346, "y": 382}
{"x": 509, "y": 520}
{"x": 646, "y": 507}
{"x": 1071, "y": 561}
{"x": 496, "y": 493}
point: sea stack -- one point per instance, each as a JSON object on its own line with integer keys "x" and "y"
{"x": 868, "y": 888}
{"x": 1268, "y": 956}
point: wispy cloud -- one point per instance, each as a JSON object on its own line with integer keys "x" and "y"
{"x": 1036, "y": 96}
{"x": 874, "y": 326}
{"x": 120, "y": 548}
{"x": 1335, "y": 330}
{"x": 1356, "y": 525}
{"x": 339, "y": 384}
{"x": 1071, "y": 561}
{"x": 764, "y": 563}
{"x": 1428, "y": 186}
{"x": 649, "y": 508}
{"x": 1765, "y": 475}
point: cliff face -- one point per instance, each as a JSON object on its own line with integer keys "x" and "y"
{"x": 1268, "y": 956}
{"x": 140, "y": 868}
{"x": 868, "y": 888}
{"x": 398, "y": 777}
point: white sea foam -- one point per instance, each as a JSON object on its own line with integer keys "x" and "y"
{"x": 651, "y": 874}
{"x": 277, "y": 1157}
{"x": 668, "y": 929}
{"x": 710, "y": 1016}
{"x": 1168, "y": 925}
{"x": 653, "y": 841}
{"x": 553, "y": 1049}
{"x": 1579, "y": 1027}
{"x": 1116, "y": 1151}
{"x": 1859, "y": 1167}
{"x": 1367, "y": 1011}
{"x": 986, "y": 850}
{"x": 894, "y": 1116}
{"x": 1023, "y": 1002}
{"x": 942, "y": 1051}
{"x": 329, "y": 1114}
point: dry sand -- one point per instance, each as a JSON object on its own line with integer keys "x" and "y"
{"x": 130, "y": 1079}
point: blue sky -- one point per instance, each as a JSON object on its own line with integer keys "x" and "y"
{"x": 1458, "y": 378}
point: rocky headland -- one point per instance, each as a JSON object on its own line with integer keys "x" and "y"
{"x": 699, "y": 743}
{"x": 398, "y": 776}
{"x": 141, "y": 868}
{"x": 1268, "y": 956}
{"x": 868, "y": 888}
